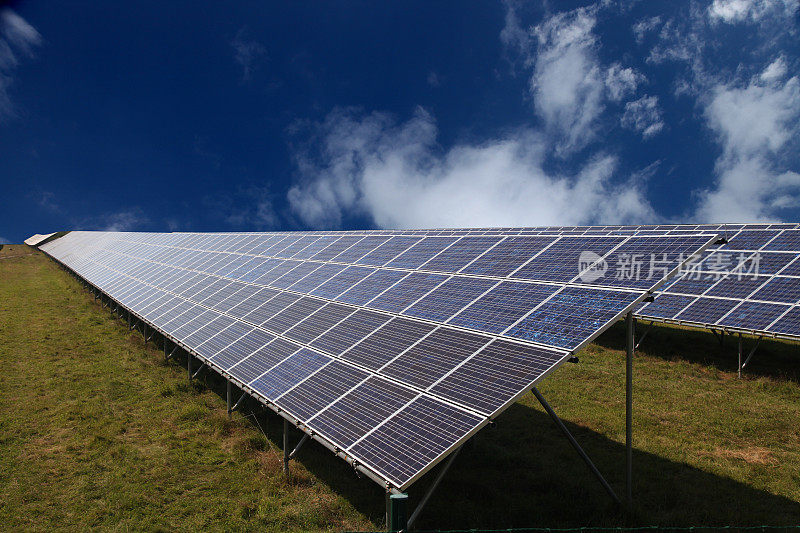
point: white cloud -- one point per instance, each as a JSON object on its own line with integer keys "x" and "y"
{"x": 645, "y": 26}
{"x": 17, "y": 38}
{"x": 247, "y": 53}
{"x": 434, "y": 80}
{"x": 775, "y": 71}
{"x": 733, "y": 11}
{"x": 755, "y": 124}
{"x": 567, "y": 83}
{"x": 396, "y": 175}
{"x": 644, "y": 116}
{"x": 3, "y": 240}
{"x": 123, "y": 220}
{"x": 622, "y": 82}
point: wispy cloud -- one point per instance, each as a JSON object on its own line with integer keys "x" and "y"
{"x": 643, "y": 116}
{"x": 245, "y": 208}
{"x": 3, "y": 240}
{"x": 248, "y": 53}
{"x": 17, "y": 39}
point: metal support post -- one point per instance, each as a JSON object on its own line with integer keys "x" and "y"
{"x": 631, "y": 325}
{"x": 432, "y": 488}
{"x": 166, "y": 355}
{"x": 286, "y": 447}
{"x": 575, "y": 445}
{"x": 397, "y": 511}
{"x": 739, "y": 370}
{"x": 230, "y": 398}
{"x": 189, "y": 364}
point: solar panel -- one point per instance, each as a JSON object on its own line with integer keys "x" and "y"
{"x": 392, "y": 347}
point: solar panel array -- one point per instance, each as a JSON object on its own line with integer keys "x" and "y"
{"x": 751, "y": 285}
{"x": 393, "y": 348}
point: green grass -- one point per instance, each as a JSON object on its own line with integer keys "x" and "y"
{"x": 97, "y": 432}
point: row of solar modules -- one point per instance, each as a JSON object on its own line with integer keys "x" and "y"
{"x": 204, "y": 299}
{"x": 323, "y": 377}
{"x": 494, "y": 291}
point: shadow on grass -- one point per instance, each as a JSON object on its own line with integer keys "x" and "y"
{"x": 523, "y": 473}
{"x": 776, "y": 359}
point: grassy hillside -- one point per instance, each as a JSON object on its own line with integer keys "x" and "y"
{"x": 97, "y": 432}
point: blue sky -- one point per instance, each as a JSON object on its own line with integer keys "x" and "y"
{"x": 217, "y": 116}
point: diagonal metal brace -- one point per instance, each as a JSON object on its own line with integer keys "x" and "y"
{"x": 432, "y": 488}
{"x": 172, "y": 353}
{"x": 299, "y": 445}
{"x": 575, "y": 445}
{"x": 236, "y": 405}
{"x": 643, "y": 336}
{"x": 752, "y": 352}
{"x": 202, "y": 367}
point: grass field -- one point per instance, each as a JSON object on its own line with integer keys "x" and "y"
{"x": 96, "y": 431}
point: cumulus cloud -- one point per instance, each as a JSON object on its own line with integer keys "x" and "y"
{"x": 17, "y": 39}
{"x": 622, "y": 82}
{"x": 247, "y": 53}
{"x": 755, "y": 125}
{"x": 397, "y": 175}
{"x": 643, "y": 116}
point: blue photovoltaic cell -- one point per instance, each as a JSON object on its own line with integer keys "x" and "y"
{"x": 321, "y": 389}
{"x": 786, "y": 290}
{"x": 449, "y": 298}
{"x": 789, "y": 324}
{"x": 278, "y": 271}
{"x": 387, "y": 342}
{"x": 707, "y": 310}
{"x": 416, "y": 436}
{"x": 260, "y": 267}
{"x": 263, "y": 359}
{"x": 502, "y": 306}
{"x": 735, "y": 286}
{"x": 406, "y": 291}
{"x": 371, "y": 286}
{"x": 360, "y": 249}
{"x": 665, "y": 306}
{"x": 251, "y": 300}
{"x": 692, "y": 283}
{"x": 641, "y": 262}
{"x": 438, "y": 353}
{"x": 350, "y": 331}
{"x": 222, "y": 339}
{"x": 793, "y": 268}
{"x": 296, "y": 246}
{"x": 507, "y": 256}
{"x": 750, "y": 239}
{"x": 208, "y": 329}
{"x": 788, "y": 240}
{"x": 295, "y": 275}
{"x": 459, "y": 254}
{"x": 293, "y": 314}
{"x": 569, "y": 317}
{"x": 421, "y": 252}
{"x": 387, "y": 251}
{"x": 342, "y": 281}
{"x": 497, "y": 373}
{"x": 561, "y": 261}
{"x": 271, "y": 307}
{"x": 360, "y": 410}
{"x": 766, "y": 263}
{"x": 314, "y": 248}
{"x": 288, "y": 373}
{"x": 753, "y": 315}
{"x": 281, "y": 244}
{"x": 316, "y": 278}
{"x": 336, "y": 247}
{"x": 242, "y": 348}
{"x": 318, "y": 323}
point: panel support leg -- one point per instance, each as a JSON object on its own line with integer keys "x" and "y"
{"x": 189, "y": 364}
{"x": 230, "y": 399}
{"x": 396, "y": 511}
{"x": 739, "y": 368}
{"x": 432, "y": 488}
{"x": 630, "y": 327}
{"x": 575, "y": 445}
{"x": 286, "y": 447}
